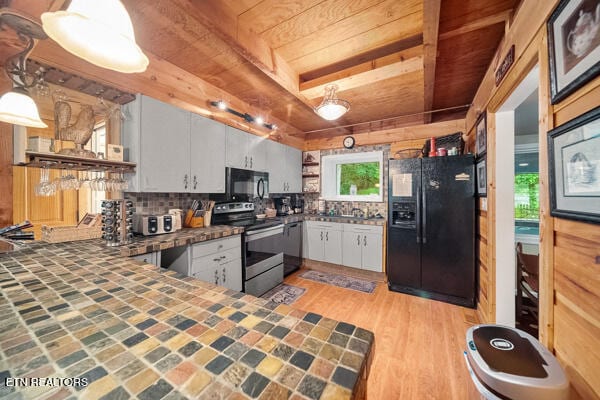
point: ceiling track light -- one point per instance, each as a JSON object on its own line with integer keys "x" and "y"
{"x": 221, "y": 105}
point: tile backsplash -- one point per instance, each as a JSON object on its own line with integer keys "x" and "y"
{"x": 160, "y": 203}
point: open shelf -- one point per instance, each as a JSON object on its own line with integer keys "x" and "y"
{"x": 310, "y": 175}
{"x": 310, "y": 164}
{"x": 60, "y": 161}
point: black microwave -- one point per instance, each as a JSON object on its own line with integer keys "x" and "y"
{"x": 246, "y": 185}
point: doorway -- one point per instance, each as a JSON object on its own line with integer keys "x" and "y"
{"x": 515, "y": 145}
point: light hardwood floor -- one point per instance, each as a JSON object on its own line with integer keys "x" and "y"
{"x": 419, "y": 342}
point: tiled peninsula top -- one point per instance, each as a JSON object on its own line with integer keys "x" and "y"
{"x": 148, "y": 244}
{"x": 131, "y": 330}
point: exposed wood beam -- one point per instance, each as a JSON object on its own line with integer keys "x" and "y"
{"x": 382, "y": 51}
{"x": 223, "y": 22}
{"x": 366, "y": 73}
{"x": 501, "y": 17}
{"x": 166, "y": 82}
{"x": 431, "y": 24}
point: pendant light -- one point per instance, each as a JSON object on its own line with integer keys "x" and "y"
{"x": 100, "y": 32}
{"x": 331, "y": 108}
{"x": 16, "y": 106}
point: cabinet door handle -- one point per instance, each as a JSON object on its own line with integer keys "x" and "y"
{"x": 195, "y": 182}
{"x": 358, "y": 240}
{"x": 321, "y": 235}
{"x": 327, "y": 236}
{"x": 250, "y": 161}
{"x": 246, "y": 161}
{"x": 185, "y": 181}
{"x": 224, "y": 276}
{"x": 365, "y": 240}
{"x": 216, "y": 277}
{"x": 216, "y": 259}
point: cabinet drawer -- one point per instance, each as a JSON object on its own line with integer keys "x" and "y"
{"x": 332, "y": 226}
{"x": 213, "y": 246}
{"x": 214, "y": 260}
{"x": 357, "y": 228}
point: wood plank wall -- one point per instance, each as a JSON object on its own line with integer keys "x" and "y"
{"x": 569, "y": 250}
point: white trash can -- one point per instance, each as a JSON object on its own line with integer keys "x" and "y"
{"x": 507, "y": 363}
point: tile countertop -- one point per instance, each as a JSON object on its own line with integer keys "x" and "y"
{"x": 326, "y": 218}
{"x": 82, "y": 310}
{"x": 148, "y": 244}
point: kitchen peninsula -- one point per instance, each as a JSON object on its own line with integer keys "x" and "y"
{"x": 82, "y": 310}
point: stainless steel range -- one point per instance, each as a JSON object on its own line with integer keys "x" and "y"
{"x": 262, "y": 249}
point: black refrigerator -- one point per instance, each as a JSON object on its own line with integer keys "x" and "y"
{"x": 431, "y": 235}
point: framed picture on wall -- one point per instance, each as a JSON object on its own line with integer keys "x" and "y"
{"x": 573, "y": 46}
{"x": 574, "y": 157}
{"x": 481, "y": 169}
{"x": 481, "y": 135}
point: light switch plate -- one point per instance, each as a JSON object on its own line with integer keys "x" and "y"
{"x": 483, "y": 203}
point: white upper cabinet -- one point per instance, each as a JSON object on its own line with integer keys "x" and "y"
{"x": 157, "y": 134}
{"x": 245, "y": 150}
{"x": 175, "y": 150}
{"x": 284, "y": 164}
{"x": 207, "y": 145}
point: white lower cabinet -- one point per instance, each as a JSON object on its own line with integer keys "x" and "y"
{"x": 216, "y": 261}
{"x": 324, "y": 241}
{"x": 363, "y": 247}
{"x": 352, "y": 245}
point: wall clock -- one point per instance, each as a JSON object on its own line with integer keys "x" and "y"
{"x": 348, "y": 142}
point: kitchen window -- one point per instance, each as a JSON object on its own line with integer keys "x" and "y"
{"x": 353, "y": 177}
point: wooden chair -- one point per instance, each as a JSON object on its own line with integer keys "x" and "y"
{"x": 527, "y": 281}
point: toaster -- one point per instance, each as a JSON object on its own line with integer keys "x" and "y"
{"x": 147, "y": 225}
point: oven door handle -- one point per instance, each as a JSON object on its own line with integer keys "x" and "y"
{"x": 261, "y": 233}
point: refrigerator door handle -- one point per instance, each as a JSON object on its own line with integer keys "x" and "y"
{"x": 424, "y": 219}
{"x": 418, "y": 224}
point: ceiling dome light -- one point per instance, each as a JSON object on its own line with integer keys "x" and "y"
{"x": 16, "y": 107}
{"x": 99, "y": 32}
{"x": 331, "y": 108}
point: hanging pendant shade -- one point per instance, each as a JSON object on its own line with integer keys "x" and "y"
{"x": 99, "y": 32}
{"x": 18, "y": 108}
{"x": 331, "y": 108}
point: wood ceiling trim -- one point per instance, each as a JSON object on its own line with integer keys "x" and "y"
{"x": 501, "y": 17}
{"x": 269, "y": 13}
{"x": 431, "y": 23}
{"x": 392, "y": 32}
{"x": 315, "y": 19}
{"x": 380, "y": 15}
{"x": 364, "y": 74}
{"x": 391, "y": 135}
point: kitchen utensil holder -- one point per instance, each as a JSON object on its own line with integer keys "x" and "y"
{"x": 117, "y": 222}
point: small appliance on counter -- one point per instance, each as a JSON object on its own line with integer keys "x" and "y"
{"x": 117, "y": 222}
{"x": 282, "y": 205}
{"x": 297, "y": 204}
{"x": 147, "y": 224}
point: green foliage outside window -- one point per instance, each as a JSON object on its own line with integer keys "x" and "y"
{"x": 364, "y": 176}
{"x": 527, "y": 196}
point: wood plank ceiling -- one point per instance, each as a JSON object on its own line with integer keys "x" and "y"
{"x": 391, "y": 58}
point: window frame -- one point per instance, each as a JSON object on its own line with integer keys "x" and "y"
{"x": 330, "y": 188}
